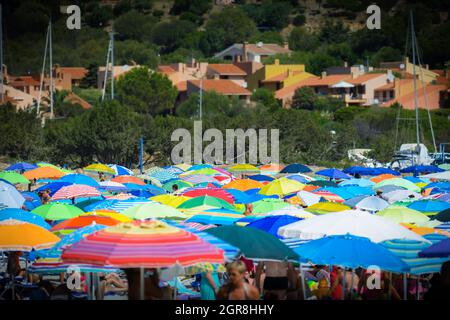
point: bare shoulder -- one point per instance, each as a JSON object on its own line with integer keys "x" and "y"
{"x": 253, "y": 292}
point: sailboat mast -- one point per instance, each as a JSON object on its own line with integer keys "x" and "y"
{"x": 51, "y": 71}
{"x": 112, "y": 64}
{"x": 416, "y": 104}
{"x": 1, "y": 56}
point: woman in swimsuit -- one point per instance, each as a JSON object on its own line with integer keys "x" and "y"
{"x": 237, "y": 288}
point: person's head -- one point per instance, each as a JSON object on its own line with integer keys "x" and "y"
{"x": 379, "y": 192}
{"x": 236, "y": 271}
{"x": 175, "y": 187}
{"x": 323, "y": 283}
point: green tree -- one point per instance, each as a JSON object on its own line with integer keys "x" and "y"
{"x": 170, "y": 34}
{"x": 265, "y": 98}
{"x": 304, "y": 98}
{"x": 90, "y": 79}
{"x": 146, "y": 92}
{"x": 97, "y": 16}
{"x": 134, "y": 25}
{"x": 301, "y": 40}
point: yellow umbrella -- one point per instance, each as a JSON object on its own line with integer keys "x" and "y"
{"x": 244, "y": 184}
{"x": 109, "y": 213}
{"x": 281, "y": 187}
{"x": 327, "y": 207}
{"x": 18, "y": 235}
{"x": 244, "y": 168}
{"x": 170, "y": 199}
{"x": 99, "y": 167}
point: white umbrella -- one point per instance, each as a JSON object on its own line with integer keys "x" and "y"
{"x": 372, "y": 204}
{"x": 291, "y": 211}
{"x": 445, "y": 175}
{"x": 308, "y": 198}
{"x": 398, "y": 195}
{"x": 10, "y": 197}
{"x": 355, "y": 222}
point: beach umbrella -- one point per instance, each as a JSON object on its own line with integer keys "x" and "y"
{"x": 357, "y": 182}
{"x": 243, "y": 184}
{"x": 388, "y": 188}
{"x": 75, "y": 191}
{"x": 333, "y": 174}
{"x": 253, "y": 243}
{"x": 380, "y": 171}
{"x": 170, "y": 199}
{"x": 10, "y": 197}
{"x": 149, "y": 244}
{"x": 18, "y": 235}
{"x": 372, "y": 204}
{"x": 215, "y": 218}
{"x": 445, "y": 175}
{"x": 356, "y": 222}
{"x": 81, "y": 221}
{"x": 351, "y": 252}
{"x": 53, "y": 186}
{"x": 403, "y": 215}
{"x": 117, "y": 205}
{"x": 443, "y": 216}
{"x": 424, "y": 230}
{"x": 147, "y": 187}
{"x": 46, "y": 164}
{"x": 32, "y": 200}
{"x": 99, "y": 167}
{"x": 341, "y": 192}
{"x": 399, "y": 183}
{"x": 326, "y": 207}
{"x": 414, "y": 179}
{"x": 57, "y": 211}
{"x": 204, "y": 203}
{"x": 296, "y": 168}
{"x": 271, "y": 224}
{"x": 290, "y": 211}
{"x": 243, "y": 168}
{"x": 199, "y": 178}
{"x": 323, "y": 183}
{"x": 13, "y": 177}
{"x": 440, "y": 249}
{"x": 213, "y": 192}
{"x": 267, "y": 205}
{"x": 270, "y": 169}
{"x": 128, "y": 179}
{"x": 399, "y": 195}
{"x": 108, "y": 213}
{"x": 22, "y": 215}
{"x": 382, "y": 177}
{"x": 162, "y": 175}
{"x": 430, "y": 207}
{"x": 207, "y": 171}
{"x": 358, "y": 191}
{"x": 329, "y": 196}
{"x": 21, "y": 166}
{"x": 120, "y": 170}
{"x": 174, "y": 170}
{"x": 112, "y": 186}
{"x": 353, "y": 201}
{"x": 417, "y": 169}
{"x": 153, "y": 210}
{"x": 180, "y": 183}
{"x": 308, "y": 198}
{"x": 43, "y": 173}
{"x": 281, "y": 187}
{"x": 198, "y": 167}
{"x": 444, "y": 197}
{"x": 298, "y": 177}
{"x": 261, "y": 178}
{"x": 363, "y": 171}
{"x": 79, "y": 179}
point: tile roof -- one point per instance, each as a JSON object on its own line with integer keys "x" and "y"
{"x": 281, "y": 76}
{"x": 432, "y": 98}
{"x": 77, "y": 73}
{"x": 364, "y": 78}
{"x": 289, "y": 90}
{"x": 166, "y": 69}
{"x": 23, "y": 81}
{"x": 225, "y": 87}
{"x": 181, "y": 86}
{"x": 227, "y": 69}
{"x": 327, "y": 80}
{"x": 388, "y": 86}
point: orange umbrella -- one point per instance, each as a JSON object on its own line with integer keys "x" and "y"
{"x": 424, "y": 230}
{"x": 22, "y": 236}
{"x": 310, "y": 188}
{"x": 128, "y": 179}
{"x": 382, "y": 177}
{"x": 43, "y": 173}
{"x": 108, "y": 213}
{"x": 83, "y": 221}
{"x": 243, "y": 184}
{"x": 271, "y": 167}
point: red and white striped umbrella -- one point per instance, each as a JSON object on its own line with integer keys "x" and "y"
{"x": 75, "y": 191}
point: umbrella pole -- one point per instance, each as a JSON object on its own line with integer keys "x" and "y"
{"x": 390, "y": 286}
{"x": 351, "y": 285}
{"x": 175, "y": 289}
{"x": 302, "y": 275}
{"x": 344, "y": 280}
{"x": 142, "y": 284}
{"x": 417, "y": 287}
{"x": 405, "y": 287}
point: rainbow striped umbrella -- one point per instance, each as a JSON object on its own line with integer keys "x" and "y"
{"x": 75, "y": 191}
{"x": 149, "y": 244}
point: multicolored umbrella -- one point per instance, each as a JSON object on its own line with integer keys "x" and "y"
{"x": 243, "y": 168}
{"x": 204, "y": 203}
{"x": 120, "y": 170}
{"x": 128, "y": 179}
{"x": 329, "y": 196}
{"x": 81, "y": 221}
{"x": 153, "y": 211}
{"x": 213, "y": 192}
{"x": 281, "y": 187}
{"x": 170, "y": 199}
{"x": 209, "y": 218}
{"x": 168, "y": 186}
{"x": 99, "y": 167}
{"x": 18, "y": 235}
{"x": 244, "y": 184}
{"x": 57, "y": 211}
{"x": 271, "y": 169}
{"x": 43, "y": 173}
{"x": 437, "y": 250}
{"x": 271, "y": 224}
{"x": 382, "y": 177}
{"x": 76, "y": 191}
{"x": 150, "y": 244}
{"x": 13, "y": 177}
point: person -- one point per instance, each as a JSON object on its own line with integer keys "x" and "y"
{"x": 381, "y": 293}
{"x": 440, "y": 284}
{"x": 174, "y": 188}
{"x": 294, "y": 284}
{"x": 248, "y": 209}
{"x": 323, "y": 291}
{"x": 237, "y": 288}
{"x": 209, "y": 285}
{"x": 357, "y": 176}
{"x": 336, "y": 277}
{"x": 13, "y": 265}
{"x": 379, "y": 193}
{"x": 110, "y": 282}
{"x": 276, "y": 277}
{"x": 43, "y": 292}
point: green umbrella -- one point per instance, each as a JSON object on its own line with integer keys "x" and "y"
{"x": 46, "y": 164}
{"x": 153, "y": 211}
{"x": 399, "y": 182}
{"x": 254, "y": 244}
{"x": 205, "y": 203}
{"x": 13, "y": 177}
{"x": 207, "y": 171}
{"x": 400, "y": 214}
{"x": 57, "y": 211}
{"x": 267, "y": 205}
{"x": 445, "y": 166}
{"x": 83, "y": 204}
{"x": 180, "y": 183}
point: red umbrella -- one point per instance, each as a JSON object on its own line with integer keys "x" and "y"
{"x": 213, "y": 192}
{"x": 83, "y": 221}
{"x": 75, "y": 191}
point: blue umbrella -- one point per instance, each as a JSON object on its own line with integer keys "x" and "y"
{"x": 413, "y": 179}
{"x": 389, "y": 188}
{"x": 416, "y": 170}
{"x": 249, "y": 219}
{"x": 199, "y": 166}
{"x": 77, "y": 178}
{"x": 142, "y": 193}
{"x": 151, "y": 188}
{"x": 378, "y": 171}
{"x": 439, "y": 185}
{"x": 207, "y": 219}
{"x": 53, "y": 186}
{"x": 32, "y": 200}
{"x": 429, "y": 205}
{"x": 295, "y": 168}
{"x": 90, "y": 202}
{"x": 358, "y": 191}
{"x": 298, "y": 178}
{"x": 360, "y": 170}
{"x": 261, "y": 177}
{"x": 271, "y": 224}
{"x": 354, "y": 201}
{"x": 357, "y": 182}
{"x": 240, "y": 196}
{"x": 174, "y": 169}
{"x": 440, "y": 249}
{"x": 333, "y": 174}
{"x": 22, "y": 215}
{"x": 121, "y": 170}
{"x": 21, "y": 166}
{"x": 350, "y": 251}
